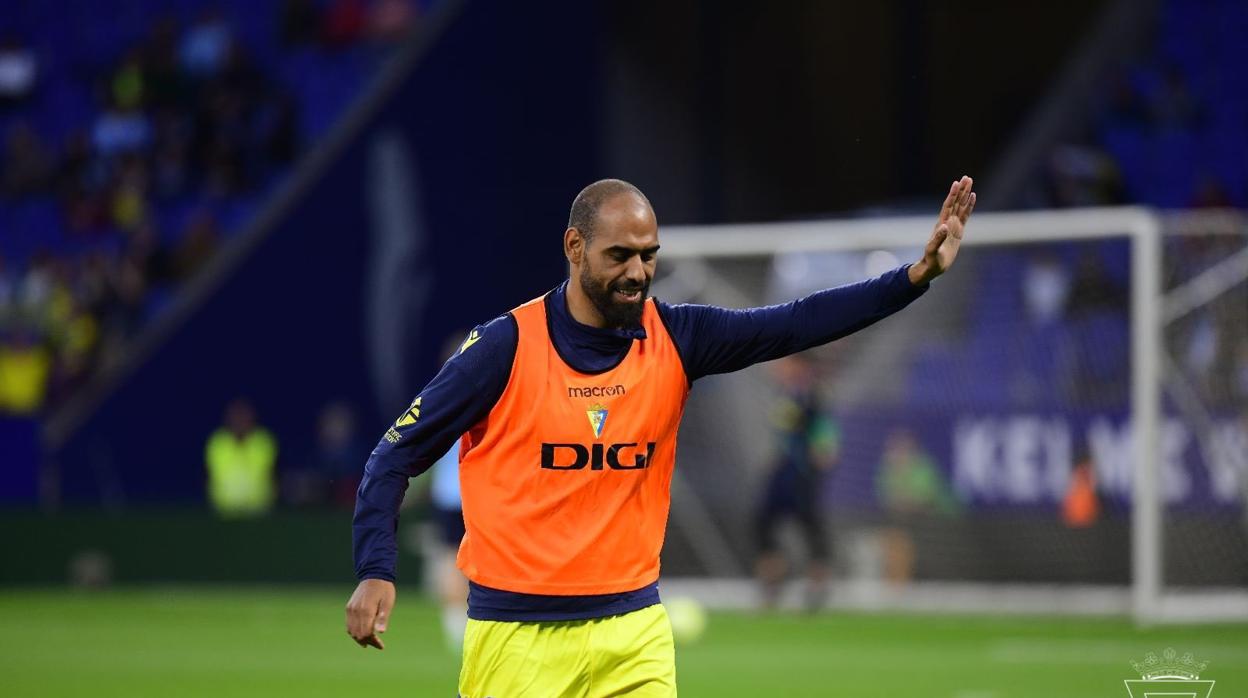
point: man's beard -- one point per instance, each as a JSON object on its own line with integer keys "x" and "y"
{"x": 616, "y": 313}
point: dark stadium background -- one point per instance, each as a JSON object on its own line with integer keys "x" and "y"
{"x": 740, "y": 114}
{"x": 469, "y": 129}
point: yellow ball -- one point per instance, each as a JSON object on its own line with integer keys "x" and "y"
{"x": 688, "y": 619}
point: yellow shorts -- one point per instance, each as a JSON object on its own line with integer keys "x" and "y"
{"x": 625, "y": 655}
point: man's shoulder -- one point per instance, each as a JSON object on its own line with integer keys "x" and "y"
{"x": 685, "y": 318}
{"x": 495, "y": 333}
{"x": 490, "y": 346}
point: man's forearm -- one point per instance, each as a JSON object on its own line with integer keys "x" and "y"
{"x": 718, "y": 340}
{"x": 375, "y": 525}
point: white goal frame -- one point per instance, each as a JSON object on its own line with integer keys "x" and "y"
{"x": 1148, "y": 601}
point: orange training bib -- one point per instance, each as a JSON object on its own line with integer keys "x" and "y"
{"x": 566, "y": 483}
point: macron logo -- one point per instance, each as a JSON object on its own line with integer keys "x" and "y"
{"x": 597, "y": 391}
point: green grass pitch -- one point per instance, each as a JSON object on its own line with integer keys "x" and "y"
{"x": 291, "y": 642}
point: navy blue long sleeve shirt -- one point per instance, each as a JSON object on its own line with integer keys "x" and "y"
{"x": 710, "y": 340}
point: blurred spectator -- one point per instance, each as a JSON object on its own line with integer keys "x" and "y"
{"x": 1081, "y": 507}
{"x": 1173, "y": 105}
{"x": 299, "y": 22}
{"x": 278, "y": 126}
{"x": 170, "y": 174}
{"x": 76, "y": 343}
{"x": 27, "y": 164}
{"x": 35, "y": 288}
{"x": 240, "y": 458}
{"x": 7, "y": 292}
{"x": 1126, "y": 107}
{"x": 127, "y": 84}
{"x": 163, "y": 81}
{"x": 1239, "y": 374}
{"x": 1046, "y": 288}
{"x": 1082, "y": 175}
{"x": 24, "y": 368}
{"x": 1210, "y": 193}
{"x": 73, "y": 170}
{"x": 198, "y": 243}
{"x": 149, "y": 254}
{"x": 19, "y": 71}
{"x": 1094, "y": 288}
{"x": 391, "y": 20}
{"x": 1201, "y": 346}
{"x": 910, "y": 487}
{"x": 129, "y": 201}
{"x": 119, "y": 130}
{"x": 332, "y": 471}
{"x": 1098, "y": 330}
{"x": 206, "y": 45}
{"x": 345, "y": 21}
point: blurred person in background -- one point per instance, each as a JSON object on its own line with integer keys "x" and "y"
{"x": 206, "y": 45}
{"x": 344, "y": 22}
{"x": 19, "y": 71}
{"x": 448, "y": 518}
{"x": 1046, "y": 287}
{"x": 25, "y": 364}
{"x": 1081, "y": 507}
{"x": 331, "y": 472}
{"x": 28, "y": 167}
{"x": 241, "y": 457}
{"x": 807, "y": 447}
{"x": 298, "y": 22}
{"x": 199, "y": 242}
{"x": 910, "y": 487}
{"x": 8, "y": 291}
{"x": 391, "y": 21}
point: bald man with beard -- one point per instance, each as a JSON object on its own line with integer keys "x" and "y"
{"x": 566, "y": 409}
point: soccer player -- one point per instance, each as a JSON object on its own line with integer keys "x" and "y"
{"x": 448, "y": 514}
{"x": 808, "y": 446}
{"x": 568, "y": 406}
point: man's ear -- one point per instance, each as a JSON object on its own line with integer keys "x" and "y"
{"x": 573, "y": 245}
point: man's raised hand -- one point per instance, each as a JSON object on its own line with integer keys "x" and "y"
{"x": 946, "y": 238}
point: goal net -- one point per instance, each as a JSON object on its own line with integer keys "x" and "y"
{"x": 1059, "y": 424}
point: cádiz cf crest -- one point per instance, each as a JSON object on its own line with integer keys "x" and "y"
{"x": 597, "y": 418}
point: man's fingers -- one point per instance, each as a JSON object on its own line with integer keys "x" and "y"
{"x": 938, "y": 239}
{"x": 966, "y": 211}
{"x": 952, "y": 198}
{"x": 369, "y": 641}
{"x": 359, "y": 622}
{"x": 964, "y": 191}
{"x": 384, "y": 605}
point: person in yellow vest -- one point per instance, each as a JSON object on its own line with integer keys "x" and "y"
{"x": 240, "y": 457}
{"x": 25, "y": 366}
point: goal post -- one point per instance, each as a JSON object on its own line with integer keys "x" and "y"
{"x": 734, "y": 256}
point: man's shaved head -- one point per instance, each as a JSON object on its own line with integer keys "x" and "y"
{"x": 584, "y": 214}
